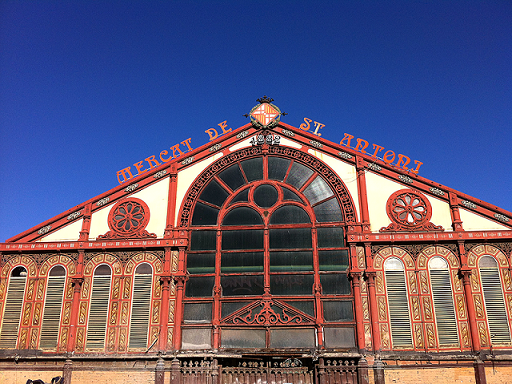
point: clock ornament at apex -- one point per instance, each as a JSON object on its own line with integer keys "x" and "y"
{"x": 409, "y": 210}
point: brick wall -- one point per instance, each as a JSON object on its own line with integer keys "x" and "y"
{"x": 436, "y": 375}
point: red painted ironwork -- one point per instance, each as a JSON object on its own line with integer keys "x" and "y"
{"x": 128, "y": 219}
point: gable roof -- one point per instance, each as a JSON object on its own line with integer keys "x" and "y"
{"x": 292, "y": 137}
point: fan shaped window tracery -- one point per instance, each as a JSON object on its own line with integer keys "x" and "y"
{"x": 266, "y": 233}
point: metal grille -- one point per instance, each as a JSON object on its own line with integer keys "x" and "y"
{"x": 398, "y": 309}
{"x": 139, "y": 323}
{"x": 495, "y": 306}
{"x": 52, "y": 312}
{"x": 98, "y": 312}
{"x": 13, "y": 305}
{"x": 443, "y": 306}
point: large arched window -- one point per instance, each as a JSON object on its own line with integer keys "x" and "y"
{"x": 398, "y": 303}
{"x": 443, "y": 301}
{"x": 494, "y": 303}
{"x": 53, "y": 308}
{"x": 13, "y": 305}
{"x": 267, "y": 233}
{"x": 141, "y": 302}
{"x": 98, "y": 311}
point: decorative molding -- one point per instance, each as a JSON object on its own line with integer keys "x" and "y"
{"x": 188, "y": 160}
{"x": 468, "y": 204}
{"x": 501, "y": 217}
{"x": 44, "y": 230}
{"x": 409, "y": 210}
{"x": 406, "y": 179}
{"x": 345, "y": 155}
{"x": 265, "y": 138}
{"x": 103, "y": 201}
{"x": 316, "y": 144}
{"x": 242, "y": 134}
{"x": 215, "y": 147}
{"x": 74, "y": 215}
{"x": 128, "y": 219}
{"x": 131, "y": 187}
{"x": 160, "y": 174}
{"x": 288, "y": 133}
{"x": 436, "y": 191}
{"x": 374, "y": 167}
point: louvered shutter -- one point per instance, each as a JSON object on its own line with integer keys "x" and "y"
{"x": 398, "y": 309}
{"x": 495, "y": 305}
{"x": 443, "y": 306}
{"x": 139, "y": 324}
{"x": 98, "y": 312}
{"x": 52, "y": 312}
{"x": 12, "y": 312}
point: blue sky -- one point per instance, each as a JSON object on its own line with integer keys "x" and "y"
{"x": 90, "y": 87}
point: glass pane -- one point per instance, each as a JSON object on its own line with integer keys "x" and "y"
{"x": 338, "y": 311}
{"x": 59, "y": 270}
{"x": 102, "y": 270}
{"x": 196, "y": 338}
{"x": 239, "y": 262}
{"x": 243, "y": 338}
{"x": 230, "y": 307}
{"x": 204, "y": 215}
{"x": 246, "y": 239}
{"x": 328, "y": 211}
{"x": 318, "y": 190}
{"x": 291, "y": 261}
{"x": 201, "y": 263}
{"x": 242, "y": 196}
{"x": 307, "y": 307}
{"x": 277, "y": 168}
{"x": 197, "y": 313}
{"x": 335, "y": 284}
{"x": 339, "y": 337}
{"x": 290, "y": 238}
{"x": 199, "y": 286}
{"x": 290, "y": 195}
{"x": 214, "y": 193}
{"x": 253, "y": 169}
{"x": 203, "y": 240}
{"x": 330, "y": 237}
{"x": 299, "y": 174}
{"x": 289, "y": 214}
{"x": 333, "y": 260}
{"x": 233, "y": 177}
{"x": 292, "y": 338}
{"x": 250, "y": 285}
{"x": 393, "y": 264}
{"x": 291, "y": 284}
{"x": 265, "y": 196}
{"x": 242, "y": 216}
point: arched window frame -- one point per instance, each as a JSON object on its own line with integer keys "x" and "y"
{"x": 150, "y": 301}
{"x": 212, "y": 173}
{"x": 57, "y": 304}
{"x": 428, "y": 301}
{"x": 474, "y": 257}
{"x": 413, "y": 302}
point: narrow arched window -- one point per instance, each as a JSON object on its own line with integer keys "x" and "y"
{"x": 443, "y": 301}
{"x": 98, "y": 311}
{"x": 141, "y": 303}
{"x": 494, "y": 302}
{"x": 53, "y": 308}
{"x": 13, "y": 306}
{"x": 398, "y": 303}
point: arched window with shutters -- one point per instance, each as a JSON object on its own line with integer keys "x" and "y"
{"x": 99, "y": 305}
{"x": 266, "y": 233}
{"x": 398, "y": 303}
{"x": 495, "y": 310}
{"x": 53, "y": 308}
{"x": 12, "y": 309}
{"x": 141, "y": 303}
{"x": 442, "y": 295}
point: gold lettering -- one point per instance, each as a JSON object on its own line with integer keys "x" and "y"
{"x": 151, "y": 159}
{"x": 387, "y": 155}
{"x": 318, "y": 126}
{"x": 418, "y": 165}
{"x": 164, "y": 152}
{"x": 377, "y": 148}
{"x": 212, "y": 132}
{"x": 122, "y": 173}
{"x": 305, "y": 125}
{"x": 359, "y": 142}
{"x": 348, "y": 138}
{"x": 400, "y": 158}
{"x": 174, "y": 149}
{"x": 139, "y": 167}
{"x": 187, "y": 143}
{"x": 223, "y": 125}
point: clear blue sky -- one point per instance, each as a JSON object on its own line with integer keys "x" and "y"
{"x": 90, "y": 87}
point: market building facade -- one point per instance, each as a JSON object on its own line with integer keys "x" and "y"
{"x": 269, "y": 255}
